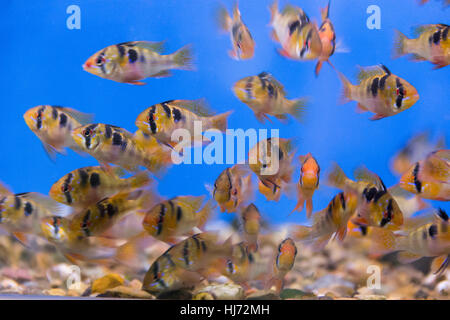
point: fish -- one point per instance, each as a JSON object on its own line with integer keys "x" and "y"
{"x": 431, "y": 44}
{"x": 308, "y": 183}
{"x": 182, "y": 264}
{"x": 83, "y": 187}
{"x": 266, "y": 96}
{"x": 177, "y": 217}
{"x": 428, "y": 240}
{"x": 379, "y": 91}
{"x": 298, "y": 36}
{"x": 251, "y": 226}
{"x": 98, "y": 218}
{"x": 53, "y": 126}
{"x": 408, "y": 204}
{"x": 162, "y": 119}
{"x": 376, "y": 206}
{"x": 57, "y": 231}
{"x": 332, "y": 220}
{"x": 241, "y": 266}
{"x": 284, "y": 262}
{"x": 132, "y": 61}
{"x": 153, "y": 147}
{"x": 272, "y": 169}
{"x": 241, "y": 39}
{"x": 417, "y": 148}
{"x": 112, "y": 144}
{"x": 327, "y": 37}
{"x": 232, "y": 188}
{"x": 430, "y": 177}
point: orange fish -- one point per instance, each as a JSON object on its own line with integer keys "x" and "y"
{"x": 284, "y": 262}
{"x": 327, "y": 37}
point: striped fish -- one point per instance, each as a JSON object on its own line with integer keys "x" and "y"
{"x": 53, "y": 125}
{"x": 379, "y": 91}
{"x": 432, "y": 44}
{"x": 284, "y": 262}
{"x": 132, "y": 61}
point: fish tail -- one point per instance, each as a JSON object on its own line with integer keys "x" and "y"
{"x": 183, "y": 58}
{"x": 300, "y": 203}
{"x": 297, "y": 108}
{"x": 131, "y": 252}
{"x": 219, "y": 121}
{"x": 309, "y": 207}
{"x": 400, "y": 44}
{"x": 346, "y": 94}
{"x": 318, "y": 67}
{"x": 273, "y": 11}
{"x": 140, "y": 180}
{"x": 205, "y": 213}
{"x": 302, "y": 232}
{"x": 224, "y": 20}
{"x": 325, "y": 12}
{"x": 337, "y": 177}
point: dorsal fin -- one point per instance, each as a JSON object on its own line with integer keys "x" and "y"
{"x": 367, "y": 72}
{"x": 269, "y": 77}
{"x": 198, "y": 106}
{"x": 82, "y": 118}
{"x": 157, "y": 47}
{"x": 442, "y": 214}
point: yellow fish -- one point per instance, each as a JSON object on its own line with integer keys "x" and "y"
{"x": 251, "y": 226}
{"x": 308, "y": 183}
{"x": 162, "y": 119}
{"x": 111, "y": 144}
{"x": 429, "y": 178}
{"x": 243, "y": 43}
{"x": 284, "y": 262}
{"x": 132, "y": 61}
{"x": 327, "y": 37}
{"x": 379, "y": 91}
{"x": 266, "y": 96}
{"x": 176, "y": 217}
{"x": 432, "y": 44}
{"x": 86, "y": 186}
{"x": 53, "y": 125}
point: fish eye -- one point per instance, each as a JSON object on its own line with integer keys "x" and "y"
{"x": 66, "y": 188}
{"x": 87, "y": 132}
{"x": 234, "y": 192}
{"x": 100, "y": 60}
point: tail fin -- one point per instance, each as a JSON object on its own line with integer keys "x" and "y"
{"x": 309, "y": 207}
{"x": 325, "y": 12}
{"x": 301, "y": 232}
{"x": 224, "y": 20}
{"x": 346, "y": 95}
{"x": 205, "y": 213}
{"x": 273, "y": 10}
{"x": 183, "y": 58}
{"x": 297, "y": 108}
{"x": 399, "y": 45}
{"x": 337, "y": 177}
{"x": 219, "y": 121}
{"x": 140, "y": 180}
{"x": 383, "y": 241}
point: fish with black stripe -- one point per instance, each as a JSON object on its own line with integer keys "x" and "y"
{"x": 266, "y": 96}
{"x": 376, "y": 205}
{"x": 112, "y": 144}
{"x": 53, "y": 126}
{"x": 284, "y": 262}
{"x": 431, "y": 239}
{"x": 330, "y": 221}
{"x": 272, "y": 161}
{"x": 379, "y": 91}
{"x": 243, "y": 43}
{"x": 298, "y": 36}
{"x": 176, "y": 217}
{"x": 162, "y": 119}
{"x": 432, "y": 43}
{"x": 429, "y": 178}
{"x": 86, "y": 186}
{"x": 132, "y": 61}
{"x": 183, "y": 265}
{"x": 308, "y": 183}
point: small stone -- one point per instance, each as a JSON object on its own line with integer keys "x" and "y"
{"x": 55, "y": 292}
{"x": 107, "y": 282}
{"x": 443, "y": 287}
{"x": 227, "y": 291}
{"x": 10, "y": 286}
{"x": 127, "y": 293}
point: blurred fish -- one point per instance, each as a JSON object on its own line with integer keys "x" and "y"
{"x": 176, "y": 217}
{"x": 86, "y": 186}
{"x": 181, "y": 265}
{"x": 266, "y": 96}
{"x": 284, "y": 262}
{"x": 162, "y": 119}
{"x": 111, "y": 144}
{"x": 327, "y": 37}
{"x": 271, "y": 160}
{"x": 251, "y": 225}
{"x": 428, "y": 240}
{"x": 408, "y": 204}
{"x": 429, "y": 178}
{"x": 332, "y": 220}
{"x": 53, "y": 125}
{"x": 308, "y": 183}
{"x": 132, "y": 61}
{"x": 376, "y": 206}
{"x": 298, "y": 37}
{"x": 243, "y": 43}
{"x": 432, "y": 44}
{"x": 379, "y": 91}
{"x": 232, "y": 188}
{"x": 416, "y": 149}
